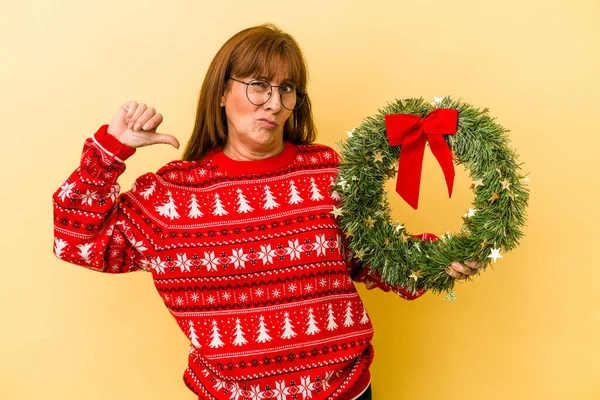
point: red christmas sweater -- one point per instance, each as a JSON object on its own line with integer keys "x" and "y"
{"x": 247, "y": 257}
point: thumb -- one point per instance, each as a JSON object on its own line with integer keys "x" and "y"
{"x": 161, "y": 138}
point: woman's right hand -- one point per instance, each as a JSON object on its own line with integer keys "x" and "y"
{"x": 135, "y": 125}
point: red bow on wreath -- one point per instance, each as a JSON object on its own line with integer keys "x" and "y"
{"x": 411, "y": 132}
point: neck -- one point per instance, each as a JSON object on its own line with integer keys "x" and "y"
{"x": 242, "y": 153}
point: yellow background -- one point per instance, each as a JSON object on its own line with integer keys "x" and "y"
{"x": 527, "y": 329}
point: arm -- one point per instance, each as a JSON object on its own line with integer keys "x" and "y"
{"x": 360, "y": 273}
{"x": 94, "y": 226}
{"x": 373, "y": 280}
{"x": 91, "y": 225}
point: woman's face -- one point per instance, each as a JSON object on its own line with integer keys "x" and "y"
{"x": 256, "y": 129}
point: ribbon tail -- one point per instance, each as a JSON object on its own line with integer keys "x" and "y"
{"x": 442, "y": 153}
{"x": 410, "y": 165}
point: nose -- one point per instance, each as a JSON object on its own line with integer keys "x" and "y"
{"x": 274, "y": 102}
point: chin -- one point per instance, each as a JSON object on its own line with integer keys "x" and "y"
{"x": 267, "y": 138}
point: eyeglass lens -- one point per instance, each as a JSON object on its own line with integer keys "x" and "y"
{"x": 259, "y": 92}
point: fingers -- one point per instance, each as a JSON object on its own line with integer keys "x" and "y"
{"x": 130, "y": 107}
{"x": 462, "y": 271}
{"x": 144, "y": 118}
{"x": 474, "y": 264}
{"x": 151, "y": 123}
{"x": 455, "y": 274}
{"x": 140, "y": 116}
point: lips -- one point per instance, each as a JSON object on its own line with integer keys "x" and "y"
{"x": 269, "y": 123}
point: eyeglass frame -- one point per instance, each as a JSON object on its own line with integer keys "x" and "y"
{"x": 297, "y": 106}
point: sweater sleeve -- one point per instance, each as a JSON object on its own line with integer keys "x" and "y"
{"x": 92, "y": 227}
{"x": 361, "y": 273}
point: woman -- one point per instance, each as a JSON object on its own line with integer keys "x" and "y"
{"x": 238, "y": 236}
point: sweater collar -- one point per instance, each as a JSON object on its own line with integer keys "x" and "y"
{"x": 231, "y": 166}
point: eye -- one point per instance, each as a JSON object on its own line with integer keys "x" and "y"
{"x": 260, "y": 85}
{"x": 287, "y": 88}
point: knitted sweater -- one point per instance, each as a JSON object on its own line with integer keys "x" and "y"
{"x": 245, "y": 255}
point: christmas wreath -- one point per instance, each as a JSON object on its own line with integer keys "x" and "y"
{"x": 392, "y": 143}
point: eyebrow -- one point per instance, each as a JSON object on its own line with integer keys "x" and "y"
{"x": 266, "y": 78}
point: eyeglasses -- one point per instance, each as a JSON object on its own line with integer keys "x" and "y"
{"x": 259, "y": 92}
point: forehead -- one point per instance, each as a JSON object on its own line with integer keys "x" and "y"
{"x": 277, "y": 68}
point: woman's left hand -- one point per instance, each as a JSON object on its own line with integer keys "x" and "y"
{"x": 463, "y": 270}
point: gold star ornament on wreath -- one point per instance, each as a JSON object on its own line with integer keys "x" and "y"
{"x": 393, "y": 143}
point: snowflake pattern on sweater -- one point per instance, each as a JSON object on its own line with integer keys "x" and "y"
{"x": 246, "y": 256}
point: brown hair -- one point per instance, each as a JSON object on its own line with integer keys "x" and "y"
{"x": 257, "y": 51}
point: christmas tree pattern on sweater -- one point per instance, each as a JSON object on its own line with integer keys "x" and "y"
{"x": 246, "y": 256}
